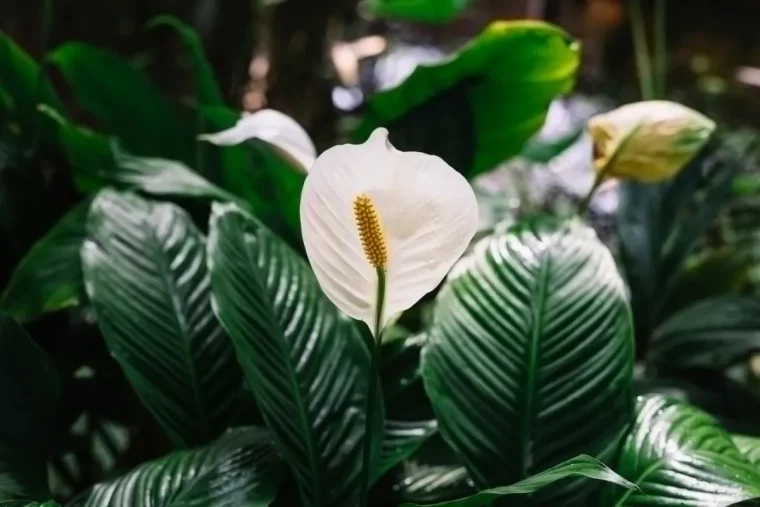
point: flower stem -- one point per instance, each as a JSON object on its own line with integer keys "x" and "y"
{"x": 372, "y": 389}
{"x": 584, "y": 204}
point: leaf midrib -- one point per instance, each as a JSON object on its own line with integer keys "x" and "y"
{"x": 528, "y": 415}
{"x": 296, "y": 391}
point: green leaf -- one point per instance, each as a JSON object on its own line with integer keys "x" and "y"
{"x": 584, "y": 466}
{"x": 28, "y": 397}
{"x": 427, "y": 484}
{"x": 530, "y": 357}
{"x": 712, "y": 333}
{"x": 125, "y": 102}
{"x": 145, "y": 272}
{"x": 540, "y": 151}
{"x": 26, "y": 503}
{"x": 207, "y": 88}
{"x": 21, "y": 78}
{"x": 402, "y": 438}
{"x": 426, "y": 11}
{"x": 242, "y": 468}
{"x": 400, "y": 363}
{"x": 678, "y": 455}
{"x": 749, "y": 447}
{"x": 305, "y": 363}
{"x": 49, "y": 277}
{"x": 481, "y": 105}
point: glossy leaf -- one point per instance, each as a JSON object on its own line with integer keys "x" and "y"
{"x": 536, "y": 325}
{"x": 126, "y": 104}
{"x": 749, "y": 447}
{"x": 426, "y": 11}
{"x": 28, "y": 397}
{"x": 305, "y": 363}
{"x": 480, "y": 106}
{"x": 427, "y": 484}
{"x": 23, "y": 84}
{"x": 584, "y": 466}
{"x": 678, "y": 455}
{"x": 49, "y": 277}
{"x": 402, "y": 438}
{"x": 207, "y": 88}
{"x": 400, "y": 362}
{"x": 242, "y": 468}
{"x": 713, "y": 333}
{"x": 145, "y": 272}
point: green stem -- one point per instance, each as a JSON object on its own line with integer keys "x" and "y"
{"x": 372, "y": 389}
{"x": 641, "y": 49}
{"x": 660, "y": 46}
{"x": 584, "y": 204}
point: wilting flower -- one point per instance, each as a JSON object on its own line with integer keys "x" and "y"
{"x": 376, "y": 220}
{"x": 274, "y": 127}
{"x": 647, "y": 141}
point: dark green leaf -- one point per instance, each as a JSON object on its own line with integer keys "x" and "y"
{"x": 426, "y": 11}
{"x": 479, "y": 107}
{"x": 584, "y": 466}
{"x": 713, "y": 333}
{"x": 49, "y": 277}
{"x": 400, "y": 363}
{"x": 678, "y": 455}
{"x": 125, "y": 102}
{"x": 402, "y": 438}
{"x": 145, "y": 271}
{"x": 530, "y": 358}
{"x": 749, "y": 447}
{"x": 26, "y": 503}
{"x": 21, "y": 79}
{"x": 242, "y": 468}
{"x": 28, "y": 398}
{"x": 207, "y": 88}
{"x": 305, "y": 363}
{"x": 427, "y": 484}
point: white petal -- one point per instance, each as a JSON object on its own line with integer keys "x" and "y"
{"x": 274, "y": 127}
{"x": 428, "y": 214}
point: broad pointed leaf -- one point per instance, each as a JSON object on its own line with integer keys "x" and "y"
{"x": 713, "y": 333}
{"x": 242, "y": 468}
{"x": 584, "y": 466}
{"x": 28, "y": 398}
{"x": 678, "y": 455}
{"x": 530, "y": 358}
{"x": 305, "y": 363}
{"x": 480, "y": 106}
{"x": 49, "y": 277}
{"x": 125, "y": 102}
{"x": 145, "y": 272}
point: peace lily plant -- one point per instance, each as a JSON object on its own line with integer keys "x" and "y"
{"x": 382, "y": 228}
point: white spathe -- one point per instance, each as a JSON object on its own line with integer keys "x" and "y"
{"x": 274, "y": 127}
{"x": 426, "y": 209}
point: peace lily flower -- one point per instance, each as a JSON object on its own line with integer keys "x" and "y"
{"x": 274, "y": 127}
{"x": 647, "y": 141}
{"x": 382, "y": 227}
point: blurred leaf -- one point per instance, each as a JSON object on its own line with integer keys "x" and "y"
{"x": 49, "y": 277}
{"x": 425, "y": 11}
{"x": 542, "y": 151}
{"x": 23, "y": 83}
{"x": 402, "y": 438}
{"x": 678, "y": 455}
{"x": 241, "y": 468}
{"x": 530, "y": 357}
{"x": 400, "y": 363}
{"x": 481, "y": 105}
{"x": 257, "y": 173}
{"x": 145, "y": 272}
{"x": 429, "y": 484}
{"x": 305, "y": 363}
{"x": 660, "y": 225}
{"x": 713, "y": 333}
{"x": 29, "y": 394}
{"x": 207, "y": 88}
{"x": 125, "y": 102}
{"x": 749, "y": 447}
{"x": 26, "y": 503}
{"x": 584, "y": 466}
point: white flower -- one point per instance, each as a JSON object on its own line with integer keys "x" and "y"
{"x": 647, "y": 141}
{"x": 372, "y": 214}
{"x": 274, "y": 127}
